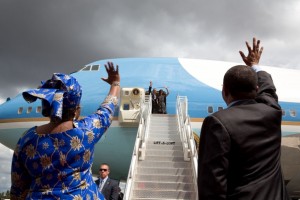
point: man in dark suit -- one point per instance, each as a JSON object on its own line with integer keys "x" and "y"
{"x": 108, "y": 187}
{"x": 239, "y": 152}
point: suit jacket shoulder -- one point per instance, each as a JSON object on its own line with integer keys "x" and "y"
{"x": 266, "y": 90}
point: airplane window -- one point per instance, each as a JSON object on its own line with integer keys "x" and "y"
{"x": 29, "y": 109}
{"x": 220, "y": 108}
{"x": 20, "y": 110}
{"x": 210, "y": 109}
{"x": 87, "y": 68}
{"x": 283, "y": 112}
{"x": 38, "y": 109}
{"x": 293, "y": 113}
{"x": 95, "y": 67}
{"x": 126, "y": 93}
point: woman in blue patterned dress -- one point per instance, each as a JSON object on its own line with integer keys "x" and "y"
{"x": 53, "y": 161}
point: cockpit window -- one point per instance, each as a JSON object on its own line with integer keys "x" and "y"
{"x": 91, "y": 68}
{"x": 87, "y": 68}
{"x": 95, "y": 67}
{"x": 20, "y": 110}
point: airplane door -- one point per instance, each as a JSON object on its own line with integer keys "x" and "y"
{"x": 131, "y": 100}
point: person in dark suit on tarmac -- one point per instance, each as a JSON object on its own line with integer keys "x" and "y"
{"x": 239, "y": 152}
{"x": 107, "y": 186}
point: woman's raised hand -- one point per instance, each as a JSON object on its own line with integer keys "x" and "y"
{"x": 113, "y": 73}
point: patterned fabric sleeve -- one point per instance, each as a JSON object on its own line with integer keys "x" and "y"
{"x": 97, "y": 124}
{"x": 20, "y": 179}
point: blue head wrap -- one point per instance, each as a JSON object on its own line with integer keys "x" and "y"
{"x": 61, "y": 91}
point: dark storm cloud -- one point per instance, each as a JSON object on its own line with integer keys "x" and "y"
{"x": 38, "y": 38}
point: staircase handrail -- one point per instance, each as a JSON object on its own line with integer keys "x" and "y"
{"x": 140, "y": 142}
{"x": 180, "y": 111}
{"x": 186, "y": 135}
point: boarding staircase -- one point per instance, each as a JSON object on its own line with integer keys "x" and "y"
{"x": 164, "y": 161}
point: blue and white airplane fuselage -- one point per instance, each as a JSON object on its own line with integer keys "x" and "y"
{"x": 199, "y": 80}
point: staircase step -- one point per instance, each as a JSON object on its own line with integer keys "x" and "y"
{"x": 164, "y": 117}
{"x": 163, "y": 130}
{"x": 142, "y": 185}
{"x": 166, "y": 120}
{"x": 159, "y": 164}
{"x": 165, "y": 125}
{"x": 164, "y": 178}
{"x": 164, "y": 137}
{"x": 161, "y": 133}
{"x": 161, "y": 122}
{"x": 163, "y": 194}
{"x": 164, "y": 158}
{"x": 151, "y": 145}
{"x": 170, "y": 124}
{"x": 164, "y": 171}
{"x": 160, "y": 152}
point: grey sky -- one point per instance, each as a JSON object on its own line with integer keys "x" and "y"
{"x": 38, "y": 37}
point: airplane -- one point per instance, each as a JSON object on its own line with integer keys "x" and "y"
{"x": 199, "y": 80}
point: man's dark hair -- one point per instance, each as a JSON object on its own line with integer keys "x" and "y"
{"x": 241, "y": 82}
{"x": 106, "y": 165}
